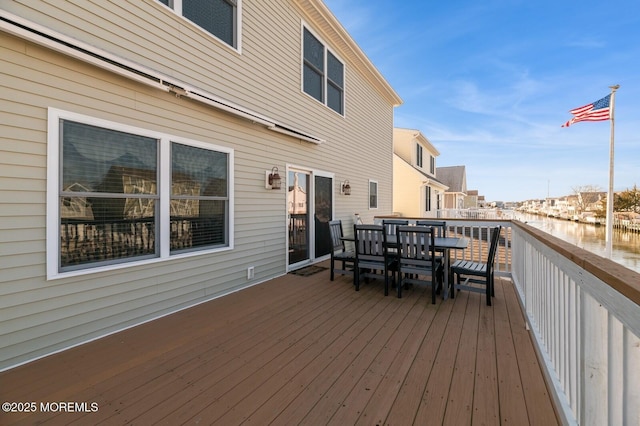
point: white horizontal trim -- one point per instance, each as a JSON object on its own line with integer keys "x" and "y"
{"x": 77, "y": 49}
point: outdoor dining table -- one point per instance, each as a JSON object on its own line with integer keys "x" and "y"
{"x": 444, "y": 244}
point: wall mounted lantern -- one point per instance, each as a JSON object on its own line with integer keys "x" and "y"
{"x": 274, "y": 180}
{"x": 345, "y": 188}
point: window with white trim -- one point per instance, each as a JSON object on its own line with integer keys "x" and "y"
{"x": 419, "y": 155}
{"x": 124, "y": 194}
{"x": 373, "y": 194}
{"x": 322, "y": 73}
{"x": 432, "y": 165}
{"x": 219, "y": 17}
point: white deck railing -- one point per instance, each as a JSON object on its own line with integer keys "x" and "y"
{"x": 480, "y": 214}
{"x": 584, "y": 315}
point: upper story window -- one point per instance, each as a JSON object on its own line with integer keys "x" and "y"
{"x": 124, "y": 194}
{"x": 418, "y": 155}
{"x": 219, "y": 17}
{"x": 323, "y": 73}
{"x": 432, "y": 167}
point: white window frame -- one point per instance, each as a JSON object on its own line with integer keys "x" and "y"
{"x": 176, "y": 7}
{"x": 325, "y": 77}
{"x": 419, "y": 155}
{"x": 371, "y": 207}
{"x": 164, "y": 190}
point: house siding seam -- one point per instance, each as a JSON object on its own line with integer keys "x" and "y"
{"x": 39, "y": 316}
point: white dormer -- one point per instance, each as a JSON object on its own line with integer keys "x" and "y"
{"x": 414, "y": 148}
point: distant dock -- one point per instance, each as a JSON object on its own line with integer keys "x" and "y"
{"x": 627, "y": 225}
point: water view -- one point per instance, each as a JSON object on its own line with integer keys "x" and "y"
{"x": 626, "y": 245}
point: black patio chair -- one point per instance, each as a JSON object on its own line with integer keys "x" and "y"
{"x": 372, "y": 255}
{"x": 339, "y": 252}
{"x": 477, "y": 273}
{"x": 416, "y": 258}
{"x": 440, "y": 230}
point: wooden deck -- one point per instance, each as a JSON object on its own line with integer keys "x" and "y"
{"x": 301, "y": 350}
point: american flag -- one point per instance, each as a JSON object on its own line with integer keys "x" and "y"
{"x": 596, "y": 111}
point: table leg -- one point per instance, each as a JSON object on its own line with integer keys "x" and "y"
{"x": 445, "y": 290}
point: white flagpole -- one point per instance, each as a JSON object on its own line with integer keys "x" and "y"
{"x": 609, "y": 219}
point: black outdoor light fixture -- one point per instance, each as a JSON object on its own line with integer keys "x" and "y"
{"x": 346, "y": 188}
{"x": 275, "y": 181}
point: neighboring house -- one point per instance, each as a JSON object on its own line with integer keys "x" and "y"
{"x": 455, "y": 177}
{"x": 591, "y": 201}
{"x": 416, "y": 190}
{"x": 136, "y": 142}
{"x": 471, "y": 199}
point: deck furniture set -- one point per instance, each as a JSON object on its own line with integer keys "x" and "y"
{"x": 402, "y": 255}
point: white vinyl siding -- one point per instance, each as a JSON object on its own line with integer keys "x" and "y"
{"x": 40, "y": 315}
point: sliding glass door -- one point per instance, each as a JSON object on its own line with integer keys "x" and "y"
{"x": 298, "y": 183}
{"x": 309, "y": 210}
{"x": 323, "y": 213}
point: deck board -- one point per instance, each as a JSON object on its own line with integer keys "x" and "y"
{"x": 513, "y": 408}
{"x": 460, "y": 403}
{"x": 486, "y": 408}
{"x": 389, "y": 388}
{"x": 535, "y": 392}
{"x": 435, "y": 397}
{"x": 302, "y": 350}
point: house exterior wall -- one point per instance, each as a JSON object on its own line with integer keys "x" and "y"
{"x": 407, "y": 183}
{"x": 41, "y": 315}
{"x": 409, "y": 191}
{"x": 405, "y": 142}
{"x": 404, "y": 145}
{"x": 409, "y": 179}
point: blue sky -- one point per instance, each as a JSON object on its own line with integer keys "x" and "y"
{"x": 489, "y": 83}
